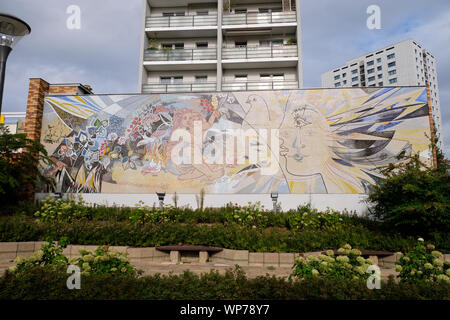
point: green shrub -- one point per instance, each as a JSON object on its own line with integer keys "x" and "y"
{"x": 347, "y": 265}
{"x": 414, "y": 199}
{"x": 41, "y": 284}
{"x": 50, "y": 255}
{"x": 308, "y": 218}
{"x": 103, "y": 261}
{"x": 142, "y": 214}
{"x": 423, "y": 262}
{"x": 20, "y": 170}
{"x": 253, "y": 215}
{"x": 62, "y": 210}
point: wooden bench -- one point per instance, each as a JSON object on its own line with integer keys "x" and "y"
{"x": 176, "y": 252}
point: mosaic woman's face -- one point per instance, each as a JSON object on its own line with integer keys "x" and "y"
{"x": 304, "y": 142}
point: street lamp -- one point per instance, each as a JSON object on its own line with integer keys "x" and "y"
{"x": 12, "y": 30}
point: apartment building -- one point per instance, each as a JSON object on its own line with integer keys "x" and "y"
{"x": 403, "y": 64}
{"x": 207, "y": 45}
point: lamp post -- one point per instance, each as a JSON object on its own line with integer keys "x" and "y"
{"x": 12, "y": 30}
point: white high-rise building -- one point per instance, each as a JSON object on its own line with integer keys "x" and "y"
{"x": 220, "y": 45}
{"x": 403, "y": 64}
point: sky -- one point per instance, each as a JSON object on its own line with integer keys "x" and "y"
{"x": 104, "y": 52}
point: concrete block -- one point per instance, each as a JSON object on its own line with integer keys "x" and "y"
{"x": 122, "y": 249}
{"x": 240, "y": 255}
{"x": 67, "y": 251}
{"x": 271, "y": 259}
{"x": 135, "y": 253}
{"x": 160, "y": 255}
{"x": 256, "y": 259}
{"x": 224, "y": 256}
{"x": 175, "y": 256}
{"x": 315, "y": 253}
{"x": 7, "y": 256}
{"x": 25, "y": 247}
{"x": 374, "y": 259}
{"x": 203, "y": 257}
{"x": 8, "y": 247}
{"x": 38, "y": 245}
{"x": 286, "y": 259}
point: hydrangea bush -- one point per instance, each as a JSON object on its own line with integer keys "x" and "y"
{"x": 50, "y": 255}
{"x": 62, "y": 210}
{"x": 308, "y": 218}
{"x": 100, "y": 261}
{"x": 348, "y": 264}
{"x": 103, "y": 261}
{"x": 423, "y": 262}
{"x": 142, "y": 214}
{"x": 252, "y": 215}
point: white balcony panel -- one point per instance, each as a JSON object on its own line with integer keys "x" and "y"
{"x": 259, "y": 52}
{"x": 259, "y": 85}
{"x": 260, "y": 18}
{"x": 179, "y": 87}
{"x": 184, "y": 21}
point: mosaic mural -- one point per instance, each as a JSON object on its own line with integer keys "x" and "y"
{"x": 318, "y": 141}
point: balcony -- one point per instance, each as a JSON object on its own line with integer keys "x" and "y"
{"x": 181, "y": 21}
{"x": 260, "y": 85}
{"x": 259, "y": 18}
{"x": 260, "y": 52}
{"x": 179, "y": 87}
{"x": 181, "y": 54}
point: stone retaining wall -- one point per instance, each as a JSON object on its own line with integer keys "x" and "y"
{"x": 10, "y": 250}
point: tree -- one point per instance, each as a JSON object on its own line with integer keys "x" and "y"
{"x": 414, "y": 197}
{"x": 21, "y": 162}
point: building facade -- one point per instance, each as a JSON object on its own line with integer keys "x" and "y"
{"x": 403, "y": 64}
{"x": 207, "y": 45}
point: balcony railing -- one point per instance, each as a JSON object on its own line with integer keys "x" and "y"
{"x": 181, "y": 21}
{"x": 259, "y": 18}
{"x": 178, "y": 87}
{"x": 260, "y": 85}
{"x": 181, "y": 54}
{"x": 260, "y": 52}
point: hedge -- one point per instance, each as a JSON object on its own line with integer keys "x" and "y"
{"x": 41, "y": 284}
{"x": 231, "y": 236}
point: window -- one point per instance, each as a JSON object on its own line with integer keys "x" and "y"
{"x": 344, "y": 75}
{"x": 264, "y": 43}
{"x": 337, "y": 85}
{"x": 240, "y": 77}
{"x": 380, "y": 76}
{"x": 379, "y": 60}
{"x": 370, "y": 63}
{"x": 173, "y": 14}
{"x": 391, "y": 56}
{"x": 201, "y": 79}
{"x": 391, "y": 64}
{"x": 169, "y": 80}
{"x": 202, "y": 13}
{"x": 270, "y": 77}
{"x": 240, "y": 11}
{"x": 393, "y": 81}
{"x": 263, "y": 10}
{"x": 379, "y": 68}
{"x": 344, "y": 82}
{"x": 372, "y": 85}
{"x": 392, "y": 72}
{"x": 172, "y": 45}
{"x": 202, "y": 44}
{"x": 355, "y": 85}
{"x": 355, "y": 79}
{"x": 355, "y": 71}
{"x": 240, "y": 44}
{"x": 337, "y": 77}
{"x": 371, "y": 71}
{"x": 277, "y": 42}
{"x": 371, "y": 78}
{"x": 380, "y": 84}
